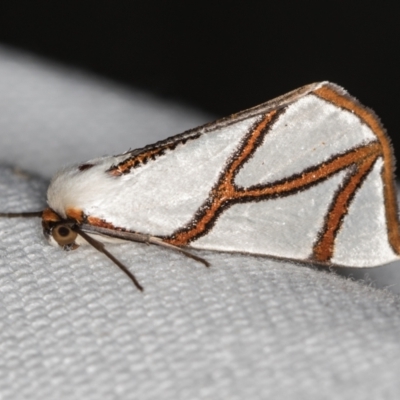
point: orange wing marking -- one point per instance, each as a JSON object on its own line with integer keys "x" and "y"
{"x": 226, "y": 193}
{"x": 101, "y": 223}
{"x": 359, "y": 160}
{"x": 137, "y": 160}
{"x": 324, "y": 248}
{"x": 372, "y": 121}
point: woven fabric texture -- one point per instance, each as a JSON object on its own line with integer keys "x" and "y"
{"x": 72, "y": 326}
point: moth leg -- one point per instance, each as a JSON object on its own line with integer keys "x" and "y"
{"x": 159, "y": 242}
{"x": 100, "y": 247}
{"x": 142, "y": 238}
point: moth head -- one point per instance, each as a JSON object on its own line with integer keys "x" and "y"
{"x": 58, "y": 231}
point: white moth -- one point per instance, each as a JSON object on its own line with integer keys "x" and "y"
{"x": 307, "y": 176}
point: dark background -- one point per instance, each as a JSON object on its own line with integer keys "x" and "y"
{"x": 221, "y": 56}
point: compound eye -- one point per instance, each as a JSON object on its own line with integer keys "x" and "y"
{"x": 64, "y": 235}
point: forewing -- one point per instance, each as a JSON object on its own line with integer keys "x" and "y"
{"x": 307, "y": 176}
{"x": 317, "y": 186}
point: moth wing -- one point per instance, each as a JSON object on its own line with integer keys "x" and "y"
{"x": 155, "y": 190}
{"x": 283, "y": 179}
{"x": 296, "y": 208}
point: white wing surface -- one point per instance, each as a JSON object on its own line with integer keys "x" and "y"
{"x": 307, "y": 176}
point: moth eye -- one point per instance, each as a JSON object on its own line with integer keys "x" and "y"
{"x": 64, "y": 235}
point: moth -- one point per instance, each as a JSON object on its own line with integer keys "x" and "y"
{"x": 307, "y": 176}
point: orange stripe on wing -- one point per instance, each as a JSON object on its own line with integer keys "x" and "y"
{"x": 146, "y": 155}
{"x": 370, "y": 119}
{"x": 224, "y": 190}
{"x": 324, "y": 248}
{"x": 226, "y": 193}
{"x": 133, "y": 162}
{"x": 101, "y": 223}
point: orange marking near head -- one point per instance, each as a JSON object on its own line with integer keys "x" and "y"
{"x": 75, "y": 213}
{"x": 49, "y": 215}
{"x": 49, "y": 218}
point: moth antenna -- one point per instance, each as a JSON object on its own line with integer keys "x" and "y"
{"x": 100, "y": 247}
{"x": 23, "y": 214}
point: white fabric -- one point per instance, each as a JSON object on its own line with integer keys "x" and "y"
{"x": 72, "y": 326}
